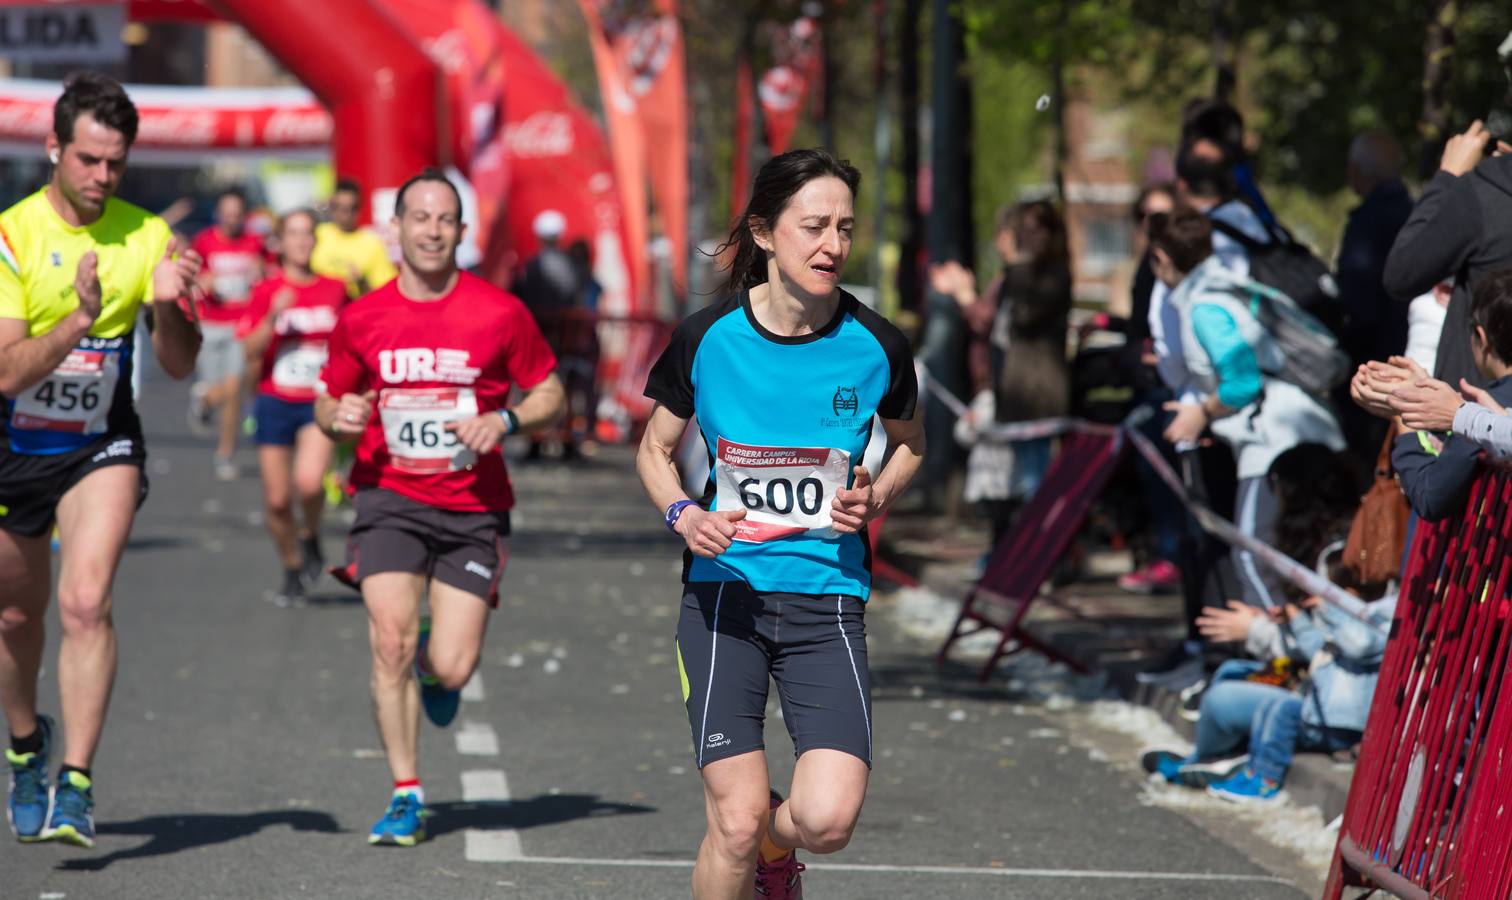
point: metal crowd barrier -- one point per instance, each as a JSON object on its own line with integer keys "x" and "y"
{"x": 603, "y": 362}
{"x": 1428, "y": 815}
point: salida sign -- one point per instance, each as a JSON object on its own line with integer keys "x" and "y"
{"x": 55, "y": 33}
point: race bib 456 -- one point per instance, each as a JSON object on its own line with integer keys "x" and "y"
{"x": 784, "y": 490}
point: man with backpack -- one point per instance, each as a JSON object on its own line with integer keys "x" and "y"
{"x": 1256, "y": 365}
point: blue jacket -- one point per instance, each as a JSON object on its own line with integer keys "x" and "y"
{"x": 1437, "y": 485}
{"x": 1345, "y": 656}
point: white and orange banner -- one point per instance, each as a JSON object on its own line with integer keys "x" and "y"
{"x": 797, "y": 68}
{"x": 638, "y": 53}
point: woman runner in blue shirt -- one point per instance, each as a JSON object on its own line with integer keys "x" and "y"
{"x": 784, "y": 372}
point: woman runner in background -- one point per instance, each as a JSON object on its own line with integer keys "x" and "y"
{"x": 785, "y": 372}
{"x": 288, "y": 320}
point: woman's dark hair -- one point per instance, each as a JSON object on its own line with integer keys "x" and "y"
{"x": 1148, "y": 191}
{"x": 1046, "y": 216}
{"x": 776, "y": 183}
{"x": 1317, "y": 493}
{"x": 101, "y": 97}
{"x": 1491, "y": 309}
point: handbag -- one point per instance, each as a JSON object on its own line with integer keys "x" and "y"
{"x": 1378, "y": 534}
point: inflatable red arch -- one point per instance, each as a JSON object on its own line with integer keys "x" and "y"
{"x": 407, "y": 84}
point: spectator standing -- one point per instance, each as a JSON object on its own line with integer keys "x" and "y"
{"x": 1232, "y": 361}
{"x": 233, "y": 264}
{"x": 1375, "y": 325}
{"x": 1034, "y": 307}
{"x": 1019, "y": 333}
{"x": 551, "y": 285}
{"x": 348, "y": 252}
{"x": 1460, "y": 228}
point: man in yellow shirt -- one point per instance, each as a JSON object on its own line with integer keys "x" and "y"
{"x": 76, "y": 265}
{"x": 347, "y": 252}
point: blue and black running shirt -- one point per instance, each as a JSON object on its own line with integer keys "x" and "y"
{"x": 785, "y": 421}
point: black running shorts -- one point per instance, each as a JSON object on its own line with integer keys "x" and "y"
{"x": 392, "y": 533}
{"x": 730, "y": 639}
{"x": 31, "y": 485}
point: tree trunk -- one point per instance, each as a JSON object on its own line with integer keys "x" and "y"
{"x": 1438, "y": 60}
{"x": 910, "y": 283}
{"x": 1225, "y": 52}
{"x": 882, "y": 136}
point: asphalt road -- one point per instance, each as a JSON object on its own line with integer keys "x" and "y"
{"x": 240, "y": 760}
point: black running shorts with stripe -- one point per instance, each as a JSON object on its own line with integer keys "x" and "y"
{"x": 731, "y": 640}
{"x": 393, "y": 533}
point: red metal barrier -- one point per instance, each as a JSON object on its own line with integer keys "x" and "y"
{"x": 1027, "y": 555}
{"x": 1427, "y": 814}
{"x": 603, "y": 362}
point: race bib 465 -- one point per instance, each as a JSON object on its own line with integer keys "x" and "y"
{"x": 784, "y": 490}
{"x": 414, "y": 427}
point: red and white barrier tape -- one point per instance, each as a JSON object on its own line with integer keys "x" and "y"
{"x": 1304, "y": 577}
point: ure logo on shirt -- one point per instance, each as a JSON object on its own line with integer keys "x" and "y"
{"x": 425, "y": 364}
{"x": 57, "y": 259}
{"x": 844, "y": 402}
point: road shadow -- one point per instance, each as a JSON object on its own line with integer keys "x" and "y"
{"x": 545, "y": 809}
{"x": 173, "y": 834}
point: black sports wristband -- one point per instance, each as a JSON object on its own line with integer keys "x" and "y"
{"x": 511, "y": 420}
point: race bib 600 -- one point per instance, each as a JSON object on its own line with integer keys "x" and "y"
{"x": 784, "y": 490}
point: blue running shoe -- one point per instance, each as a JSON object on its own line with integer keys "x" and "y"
{"x": 72, "y": 816}
{"x": 27, "y": 810}
{"x": 440, "y": 704}
{"x": 1165, "y": 763}
{"x": 1245, "y": 787}
{"x": 402, "y": 824}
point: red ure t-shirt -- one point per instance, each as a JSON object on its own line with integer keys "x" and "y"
{"x": 431, "y": 363}
{"x": 235, "y": 265}
{"x": 291, "y": 365}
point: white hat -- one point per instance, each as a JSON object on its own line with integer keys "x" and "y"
{"x": 549, "y": 224}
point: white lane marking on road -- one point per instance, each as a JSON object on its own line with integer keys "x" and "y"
{"x": 477, "y": 739}
{"x": 472, "y": 692}
{"x": 928, "y": 870}
{"x": 489, "y": 845}
{"x": 57, "y": 895}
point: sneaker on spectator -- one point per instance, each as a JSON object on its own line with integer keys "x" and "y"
{"x": 1207, "y": 772}
{"x": 1163, "y": 761}
{"x": 1159, "y": 577}
{"x": 1245, "y": 787}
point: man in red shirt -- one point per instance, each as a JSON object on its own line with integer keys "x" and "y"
{"x": 435, "y": 353}
{"x": 233, "y": 264}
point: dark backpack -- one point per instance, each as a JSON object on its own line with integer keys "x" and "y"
{"x": 1291, "y": 268}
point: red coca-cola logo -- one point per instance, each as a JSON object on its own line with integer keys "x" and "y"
{"x": 177, "y": 127}
{"x": 297, "y": 128}
{"x": 21, "y": 119}
{"x": 542, "y": 134}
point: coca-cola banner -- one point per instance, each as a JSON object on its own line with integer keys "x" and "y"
{"x": 785, "y": 86}
{"x": 184, "y": 118}
{"x": 558, "y": 159}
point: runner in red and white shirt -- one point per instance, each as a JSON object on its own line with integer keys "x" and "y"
{"x": 286, "y": 324}
{"x": 420, "y": 371}
{"x": 234, "y": 259}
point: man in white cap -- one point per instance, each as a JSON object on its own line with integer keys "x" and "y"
{"x": 551, "y": 286}
{"x": 549, "y": 283}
